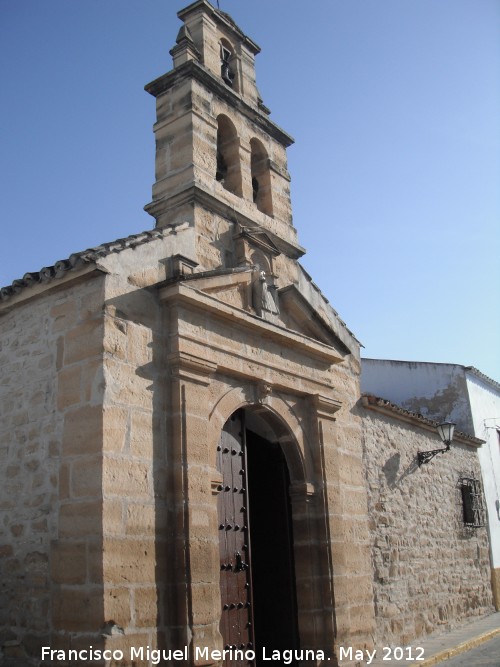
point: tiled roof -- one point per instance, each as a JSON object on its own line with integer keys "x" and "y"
{"x": 384, "y": 406}
{"x": 482, "y": 376}
{"x": 77, "y": 260}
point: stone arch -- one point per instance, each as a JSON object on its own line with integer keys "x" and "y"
{"x": 273, "y": 413}
{"x": 228, "y": 171}
{"x": 261, "y": 177}
{"x": 309, "y": 543}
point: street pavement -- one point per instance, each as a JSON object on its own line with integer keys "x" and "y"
{"x": 485, "y": 655}
{"x": 457, "y": 644}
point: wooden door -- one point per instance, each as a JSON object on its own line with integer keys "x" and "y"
{"x": 257, "y": 577}
{"x": 235, "y": 578}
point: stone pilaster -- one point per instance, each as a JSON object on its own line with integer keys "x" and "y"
{"x": 194, "y": 482}
{"x": 347, "y": 579}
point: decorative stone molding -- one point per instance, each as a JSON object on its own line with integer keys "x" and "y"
{"x": 309, "y": 348}
{"x": 183, "y": 266}
{"x": 325, "y": 407}
{"x": 185, "y": 48}
{"x": 247, "y": 240}
{"x": 263, "y": 391}
{"x": 188, "y": 367}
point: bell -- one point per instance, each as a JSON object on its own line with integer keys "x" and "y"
{"x": 227, "y": 74}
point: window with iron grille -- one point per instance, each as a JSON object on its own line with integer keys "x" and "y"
{"x": 472, "y": 501}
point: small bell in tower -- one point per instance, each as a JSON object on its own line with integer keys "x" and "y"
{"x": 226, "y": 72}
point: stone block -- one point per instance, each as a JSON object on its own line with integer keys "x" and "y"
{"x": 91, "y": 300}
{"x": 82, "y": 431}
{"x": 205, "y": 603}
{"x": 350, "y": 470}
{"x": 95, "y": 562}
{"x": 140, "y": 519}
{"x": 362, "y": 621}
{"x": 92, "y": 382}
{"x": 113, "y": 516}
{"x": 203, "y": 559}
{"x": 140, "y": 346}
{"x": 115, "y": 427}
{"x": 350, "y": 530}
{"x": 6, "y": 550}
{"x": 76, "y": 609}
{"x": 125, "y": 386}
{"x": 86, "y": 477}
{"x": 17, "y": 530}
{"x": 142, "y": 433}
{"x": 84, "y": 341}
{"x": 59, "y": 352}
{"x": 63, "y": 314}
{"x": 118, "y": 606}
{"x": 64, "y": 481}
{"x": 146, "y": 610}
{"x": 80, "y": 519}
{"x": 131, "y": 561}
{"x": 352, "y": 590}
{"x": 116, "y": 337}
{"x": 68, "y": 562}
{"x": 39, "y": 526}
{"x": 125, "y": 477}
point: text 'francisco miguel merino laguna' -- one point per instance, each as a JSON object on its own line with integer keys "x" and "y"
{"x": 155, "y": 656}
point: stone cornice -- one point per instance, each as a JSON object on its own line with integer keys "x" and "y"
{"x": 180, "y": 292}
{"x": 298, "y": 305}
{"x": 385, "y": 407}
{"x": 76, "y": 266}
{"x": 16, "y": 298}
{"x": 196, "y": 194}
{"x": 193, "y": 70}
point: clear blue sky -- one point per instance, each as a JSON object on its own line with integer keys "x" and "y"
{"x": 395, "y": 109}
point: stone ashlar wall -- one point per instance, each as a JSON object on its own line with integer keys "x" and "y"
{"x": 135, "y": 527}
{"x": 51, "y": 404}
{"x": 429, "y": 571}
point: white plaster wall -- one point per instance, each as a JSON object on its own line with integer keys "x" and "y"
{"x": 437, "y": 391}
{"x": 485, "y": 406}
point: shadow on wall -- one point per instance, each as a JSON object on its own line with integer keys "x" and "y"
{"x": 391, "y": 470}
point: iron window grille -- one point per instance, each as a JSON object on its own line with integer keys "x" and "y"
{"x": 473, "y": 513}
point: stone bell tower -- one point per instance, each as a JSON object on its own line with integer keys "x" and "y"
{"x": 221, "y": 164}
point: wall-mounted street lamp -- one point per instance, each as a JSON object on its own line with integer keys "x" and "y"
{"x": 445, "y": 431}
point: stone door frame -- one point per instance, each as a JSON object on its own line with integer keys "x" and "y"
{"x": 197, "y": 426}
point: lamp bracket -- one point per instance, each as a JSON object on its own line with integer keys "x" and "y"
{"x": 425, "y": 457}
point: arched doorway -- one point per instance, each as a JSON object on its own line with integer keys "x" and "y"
{"x": 257, "y": 573}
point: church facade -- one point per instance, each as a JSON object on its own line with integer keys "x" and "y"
{"x": 182, "y": 429}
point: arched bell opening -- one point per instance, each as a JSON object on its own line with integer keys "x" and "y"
{"x": 263, "y": 539}
{"x": 261, "y": 177}
{"x": 228, "y": 169}
{"x": 228, "y": 64}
